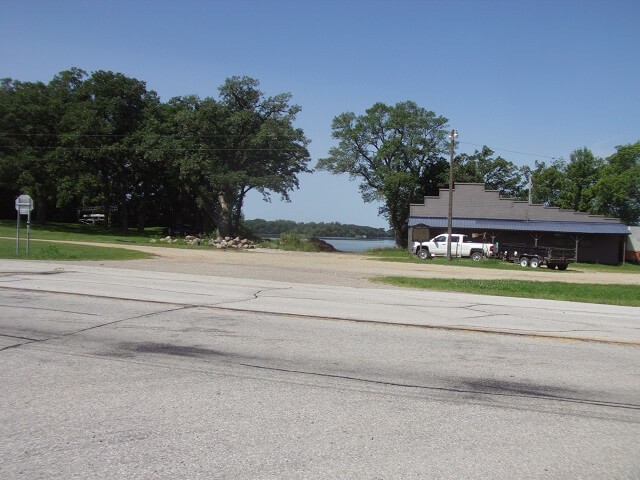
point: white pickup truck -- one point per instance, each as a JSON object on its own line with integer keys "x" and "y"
{"x": 461, "y": 246}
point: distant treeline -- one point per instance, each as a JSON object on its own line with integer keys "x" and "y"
{"x": 334, "y": 229}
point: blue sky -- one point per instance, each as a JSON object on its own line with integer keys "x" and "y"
{"x": 541, "y": 77}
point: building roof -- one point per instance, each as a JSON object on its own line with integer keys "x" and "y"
{"x": 472, "y": 200}
{"x": 523, "y": 225}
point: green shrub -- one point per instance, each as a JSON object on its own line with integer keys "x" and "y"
{"x": 50, "y": 252}
{"x": 291, "y": 241}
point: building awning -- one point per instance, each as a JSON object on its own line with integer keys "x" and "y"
{"x": 483, "y": 224}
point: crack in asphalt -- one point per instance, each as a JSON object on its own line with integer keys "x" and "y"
{"x": 486, "y": 314}
{"x": 93, "y": 327}
{"x": 18, "y": 337}
{"x": 254, "y": 296}
{"x": 576, "y": 322}
{"x": 565, "y": 310}
{"x": 49, "y": 310}
{"x": 470, "y": 329}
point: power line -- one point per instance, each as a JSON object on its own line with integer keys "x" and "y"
{"x": 510, "y": 151}
{"x": 115, "y": 135}
{"x": 226, "y": 135}
{"x": 110, "y": 147}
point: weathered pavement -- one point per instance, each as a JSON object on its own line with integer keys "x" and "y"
{"x": 124, "y": 373}
{"x": 570, "y": 320}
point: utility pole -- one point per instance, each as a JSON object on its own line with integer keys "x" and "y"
{"x": 452, "y": 136}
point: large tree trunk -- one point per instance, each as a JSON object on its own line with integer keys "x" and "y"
{"x": 400, "y": 236}
{"x": 124, "y": 215}
{"x": 142, "y": 215}
{"x": 108, "y": 220}
{"x": 237, "y": 214}
{"x": 224, "y": 215}
{"x": 399, "y": 226}
{"x": 41, "y": 210}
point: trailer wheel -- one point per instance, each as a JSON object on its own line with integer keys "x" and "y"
{"x": 524, "y": 262}
{"x": 562, "y": 266}
{"x": 551, "y": 266}
{"x": 534, "y": 262}
{"x": 476, "y": 256}
{"x": 423, "y": 253}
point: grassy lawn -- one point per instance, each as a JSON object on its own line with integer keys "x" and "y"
{"x": 63, "y": 251}
{"x": 78, "y": 232}
{"x": 628, "y": 295}
{"x": 399, "y": 255}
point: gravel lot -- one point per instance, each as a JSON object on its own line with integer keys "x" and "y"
{"x": 348, "y": 269}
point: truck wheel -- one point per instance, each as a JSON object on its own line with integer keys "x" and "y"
{"x": 534, "y": 263}
{"x": 423, "y": 253}
{"x": 562, "y": 266}
{"x": 551, "y": 266}
{"x": 524, "y": 262}
{"x": 476, "y": 256}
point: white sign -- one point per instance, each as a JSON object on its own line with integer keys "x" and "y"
{"x": 24, "y": 204}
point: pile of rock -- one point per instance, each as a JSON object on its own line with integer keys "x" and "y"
{"x": 228, "y": 242}
{"x": 167, "y": 239}
{"x": 191, "y": 240}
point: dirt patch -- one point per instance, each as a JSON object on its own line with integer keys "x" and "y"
{"x": 333, "y": 268}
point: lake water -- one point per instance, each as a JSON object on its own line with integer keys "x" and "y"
{"x": 359, "y": 244}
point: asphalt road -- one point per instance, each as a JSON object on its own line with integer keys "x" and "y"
{"x": 113, "y": 373}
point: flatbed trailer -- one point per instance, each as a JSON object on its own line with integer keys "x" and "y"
{"x": 536, "y": 256}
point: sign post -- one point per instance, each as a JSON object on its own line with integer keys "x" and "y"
{"x": 24, "y": 205}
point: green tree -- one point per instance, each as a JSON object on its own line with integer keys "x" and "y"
{"x": 581, "y": 174}
{"x": 548, "y": 182}
{"x": 152, "y": 179}
{"x": 496, "y": 173}
{"x": 398, "y": 152}
{"x": 28, "y": 127}
{"x": 617, "y": 191}
{"x": 240, "y": 143}
{"x": 99, "y": 142}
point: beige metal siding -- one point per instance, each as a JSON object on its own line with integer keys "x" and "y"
{"x": 471, "y": 200}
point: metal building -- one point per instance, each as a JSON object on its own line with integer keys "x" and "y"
{"x": 484, "y": 213}
{"x": 633, "y": 246}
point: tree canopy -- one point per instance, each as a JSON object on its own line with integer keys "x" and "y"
{"x": 609, "y": 186}
{"x": 616, "y": 191}
{"x": 496, "y": 173}
{"x": 105, "y": 140}
{"x": 239, "y": 143}
{"x": 398, "y": 154}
